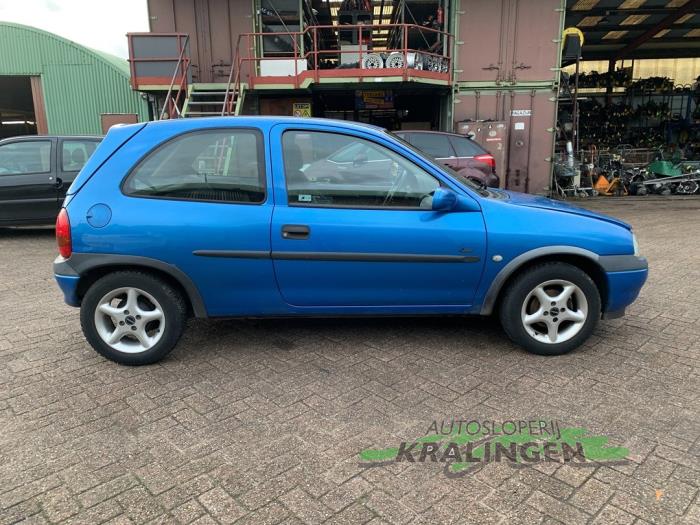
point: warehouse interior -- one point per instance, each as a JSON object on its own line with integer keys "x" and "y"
{"x": 16, "y": 106}
{"x": 342, "y": 43}
{"x": 629, "y": 102}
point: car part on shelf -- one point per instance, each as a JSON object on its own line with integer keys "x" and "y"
{"x": 415, "y": 60}
{"x": 395, "y": 60}
{"x": 372, "y": 61}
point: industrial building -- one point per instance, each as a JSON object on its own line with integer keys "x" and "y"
{"x": 488, "y": 68}
{"x": 50, "y": 85}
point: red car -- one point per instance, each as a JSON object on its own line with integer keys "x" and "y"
{"x": 458, "y": 152}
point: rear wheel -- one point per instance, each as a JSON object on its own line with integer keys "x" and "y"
{"x": 132, "y": 318}
{"x": 551, "y": 308}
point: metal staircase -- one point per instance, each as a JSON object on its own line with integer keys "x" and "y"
{"x": 203, "y": 100}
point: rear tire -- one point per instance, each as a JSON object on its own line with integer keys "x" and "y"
{"x": 550, "y": 309}
{"x": 133, "y": 317}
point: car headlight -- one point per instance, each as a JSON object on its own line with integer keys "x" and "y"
{"x": 635, "y": 244}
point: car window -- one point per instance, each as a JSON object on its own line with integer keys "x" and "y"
{"x": 367, "y": 174}
{"x": 433, "y": 144}
{"x": 357, "y": 150}
{"x": 75, "y": 153}
{"x": 466, "y": 147}
{"x": 32, "y": 156}
{"x": 217, "y": 165}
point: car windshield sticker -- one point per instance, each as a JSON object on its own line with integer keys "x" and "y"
{"x": 304, "y": 198}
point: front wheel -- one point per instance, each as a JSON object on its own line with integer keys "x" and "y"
{"x": 551, "y": 308}
{"x": 132, "y": 317}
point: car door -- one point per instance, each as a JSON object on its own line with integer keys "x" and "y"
{"x": 201, "y": 201}
{"x": 73, "y": 153}
{"x": 27, "y": 181}
{"x": 368, "y": 244}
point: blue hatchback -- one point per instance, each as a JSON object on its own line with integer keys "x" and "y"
{"x": 263, "y": 217}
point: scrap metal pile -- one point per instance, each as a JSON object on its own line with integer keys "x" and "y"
{"x": 624, "y": 171}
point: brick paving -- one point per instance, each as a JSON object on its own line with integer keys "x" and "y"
{"x": 262, "y": 421}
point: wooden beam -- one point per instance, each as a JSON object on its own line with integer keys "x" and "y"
{"x": 667, "y": 22}
{"x": 42, "y": 126}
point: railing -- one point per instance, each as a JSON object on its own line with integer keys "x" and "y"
{"x": 153, "y": 56}
{"x": 398, "y": 59}
{"x": 230, "y": 97}
{"x": 182, "y": 67}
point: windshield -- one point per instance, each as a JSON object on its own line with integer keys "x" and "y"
{"x": 481, "y": 190}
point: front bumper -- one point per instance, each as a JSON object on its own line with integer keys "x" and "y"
{"x": 626, "y": 274}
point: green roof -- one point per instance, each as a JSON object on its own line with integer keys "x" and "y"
{"x": 79, "y": 83}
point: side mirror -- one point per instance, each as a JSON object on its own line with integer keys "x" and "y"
{"x": 444, "y": 199}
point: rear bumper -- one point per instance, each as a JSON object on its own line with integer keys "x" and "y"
{"x": 69, "y": 286}
{"x": 67, "y": 279}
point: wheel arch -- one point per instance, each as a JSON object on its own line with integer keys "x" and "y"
{"x": 584, "y": 259}
{"x": 92, "y": 267}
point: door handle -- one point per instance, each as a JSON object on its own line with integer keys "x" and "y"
{"x": 58, "y": 183}
{"x": 295, "y": 231}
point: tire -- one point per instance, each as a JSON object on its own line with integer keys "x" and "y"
{"x": 571, "y": 319}
{"x": 133, "y": 317}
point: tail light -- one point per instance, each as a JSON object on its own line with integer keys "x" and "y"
{"x": 63, "y": 238}
{"x": 487, "y": 158}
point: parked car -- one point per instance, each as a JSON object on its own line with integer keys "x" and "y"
{"x": 35, "y": 172}
{"x": 458, "y": 152}
{"x": 235, "y": 217}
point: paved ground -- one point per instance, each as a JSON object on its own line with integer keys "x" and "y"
{"x": 262, "y": 421}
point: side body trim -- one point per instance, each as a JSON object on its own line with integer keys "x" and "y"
{"x": 338, "y": 256}
{"x": 237, "y": 254}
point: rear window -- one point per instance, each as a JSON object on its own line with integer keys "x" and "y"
{"x": 466, "y": 147}
{"x": 76, "y": 152}
{"x": 213, "y": 165}
{"x": 433, "y": 144}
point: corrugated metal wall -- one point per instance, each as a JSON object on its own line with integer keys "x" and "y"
{"x": 78, "y": 83}
{"x": 508, "y": 55}
{"x": 213, "y": 26}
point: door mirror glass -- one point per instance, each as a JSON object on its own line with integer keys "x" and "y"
{"x": 444, "y": 199}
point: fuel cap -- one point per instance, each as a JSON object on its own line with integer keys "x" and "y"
{"x": 99, "y": 215}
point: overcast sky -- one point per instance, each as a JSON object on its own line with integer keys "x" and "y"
{"x": 93, "y": 23}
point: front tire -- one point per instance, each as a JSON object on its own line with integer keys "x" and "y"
{"x": 551, "y": 308}
{"x": 132, "y": 317}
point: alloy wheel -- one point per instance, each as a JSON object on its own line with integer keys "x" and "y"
{"x": 129, "y": 320}
{"x": 554, "y": 311}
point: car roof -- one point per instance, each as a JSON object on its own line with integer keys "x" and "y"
{"x": 265, "y": 121}
{"x": 21, "y": 138}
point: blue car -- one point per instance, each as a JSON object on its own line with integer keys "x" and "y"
{"x": 266, "y": 217}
